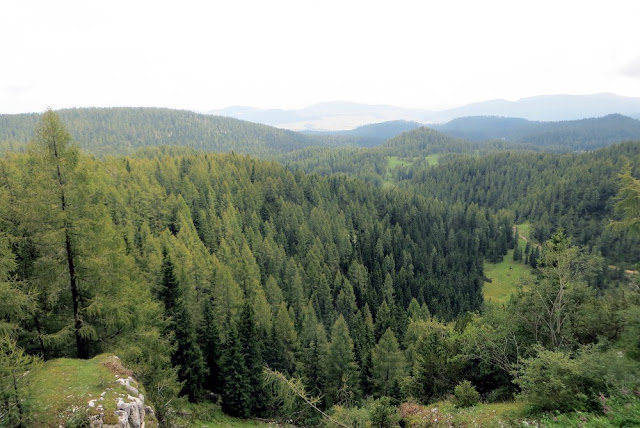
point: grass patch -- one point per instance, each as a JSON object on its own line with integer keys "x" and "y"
{"x": 433, "y": 159}
{"x": 60, "y": 390}
{"x": 209, "y": 415}
{"x": 524, "y": 229}
{"x": 444, "y": 414}
{"x": 395, "y": 161}
{"x": 505, "y": 277}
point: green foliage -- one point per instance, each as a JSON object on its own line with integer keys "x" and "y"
{"x": 554, "y": 380}
{"x": 465, "y": 395}
{"x": 267, "y": 265}
{"x": 15, "y": 367}
{"x": 187, "y": 355}
{"x": 236, "y": 389}
{"x": 628, "y": 204}
{"x": 388, "y": 364}
{"x": 342, "y": 384}
{"x": 383, "y": 414}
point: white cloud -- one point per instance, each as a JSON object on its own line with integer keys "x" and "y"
{"x": 204, "y": 55}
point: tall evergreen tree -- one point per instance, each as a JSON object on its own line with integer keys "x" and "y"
{"x": 79, "y": 270}
{"x": 342, "y": 372}
{"x": 252, "y": 354}
{"x": 187, "y": 354}
{"x": 388, "y": 364}
{"x": 209, "y": 338}
{"x": 236, "y": 398}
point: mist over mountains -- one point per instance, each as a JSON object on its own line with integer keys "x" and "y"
{"x": 346, "y": 115}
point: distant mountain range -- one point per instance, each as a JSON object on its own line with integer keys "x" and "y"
{"x": 111, "y": 131}
{"x": 583, "y": 134}
{"x": 344, "y": 115}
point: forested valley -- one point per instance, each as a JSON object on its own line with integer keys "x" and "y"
{"x": 295, "y": 281}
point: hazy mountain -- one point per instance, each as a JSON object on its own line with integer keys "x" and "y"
{"x": 373, "y": 134}
{"x": 584, "y": 134}
{"x": 346, "y": 115}
{"x": 330, "y": 116}
{"x": 548, "y": 107}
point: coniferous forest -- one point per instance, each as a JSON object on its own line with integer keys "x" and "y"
{"x": 321, "y": 285}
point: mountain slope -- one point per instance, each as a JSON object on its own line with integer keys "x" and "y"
{"x": 123, "y": 130}
{"x": 584, "y": 134}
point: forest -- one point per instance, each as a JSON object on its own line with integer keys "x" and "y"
{"x": 322, "y": 286}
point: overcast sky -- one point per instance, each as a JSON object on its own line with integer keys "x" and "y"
{"x": 202, "y": 55}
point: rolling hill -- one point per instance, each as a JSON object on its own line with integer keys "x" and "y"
{"x": 109, "y": 131}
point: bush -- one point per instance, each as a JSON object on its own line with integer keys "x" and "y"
{"x": 465, "y": 395}
{"x": 553, "y": 380}
{"x": 351, "y": 416}
{"x": 383, "y": 414}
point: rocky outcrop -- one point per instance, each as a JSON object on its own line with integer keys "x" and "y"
{"x": 130, "y": 410}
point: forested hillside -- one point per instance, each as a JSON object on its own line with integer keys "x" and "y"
{"x": 204, "y": 270}
{"x": 120, "y": 131}
{"x": 564, "y": 136}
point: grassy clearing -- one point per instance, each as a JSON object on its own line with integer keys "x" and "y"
{"x": 505, "y": 277}
{"x": 60, "y": 390}
{"x": 524, "y": 229}
{"x": 444, "y": 414}
{"x": 433, "y": 159}
{"x": 209, "y": 415}
{"x": 395, "y": 161}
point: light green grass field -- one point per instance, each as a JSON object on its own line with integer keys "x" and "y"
{"x": 433, "y": 159}
{"x": 506, "y": 275}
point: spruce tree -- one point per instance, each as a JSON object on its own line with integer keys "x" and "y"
{"x": 209, "y": 338}
{"x": 187, "y": 355}
{"x": 236, "y": 399}
{"x": 252, "y": 354}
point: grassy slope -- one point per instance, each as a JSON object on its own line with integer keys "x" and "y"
{"x": 59, "y": 390}
{"x": 506, "y": 275}
{"x": 444, "y": 414}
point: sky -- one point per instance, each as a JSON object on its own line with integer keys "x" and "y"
{"x": 204, "y": 55}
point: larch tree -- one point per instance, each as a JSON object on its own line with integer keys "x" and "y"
{"x": 83, "y": 280}
{"x": 388, "y": 363}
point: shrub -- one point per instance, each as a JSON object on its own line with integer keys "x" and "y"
{"x": 553, "y": 380}
{"x": 383, "y": 414}
{"x": 465, "y": 395}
